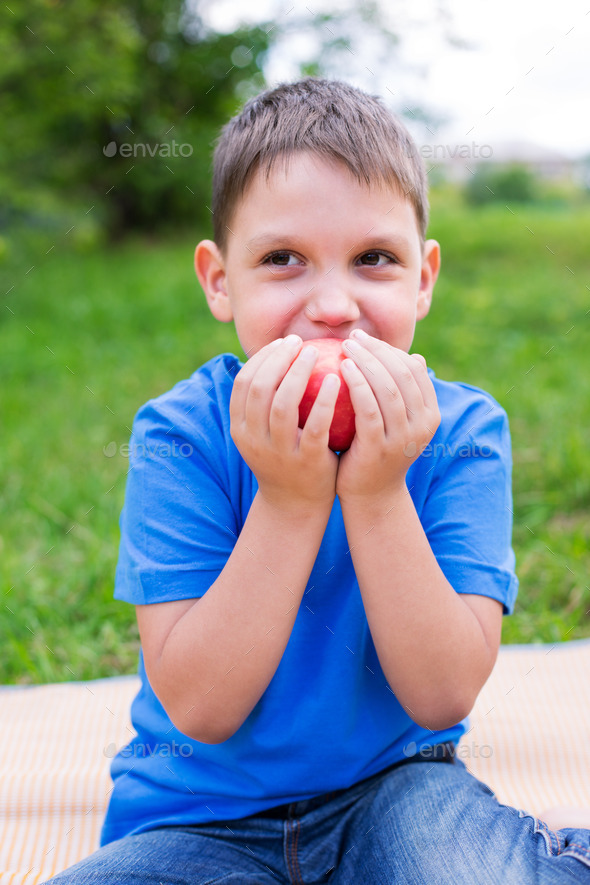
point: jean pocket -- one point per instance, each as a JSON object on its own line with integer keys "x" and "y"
{"x": 554, "y": 839}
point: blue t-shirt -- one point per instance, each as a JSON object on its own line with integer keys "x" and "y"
{"x": 328, "y": 717}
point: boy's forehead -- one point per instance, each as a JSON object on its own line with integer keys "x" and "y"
{"x": 301, "y": 164}
{"x": 297, "y": 169}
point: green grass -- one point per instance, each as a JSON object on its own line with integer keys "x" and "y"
{"x": 512, "y": 315}
{"x": 87, "y": 338}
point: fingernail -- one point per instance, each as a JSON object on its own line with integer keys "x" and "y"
{"x": 309, "y": 352}
{"x": 292, "y": 339}
{"x": 331, "y": 382}
{"x": 359, "y": 333}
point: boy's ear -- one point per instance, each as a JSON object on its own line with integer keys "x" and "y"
{"x": 428, "y": 277}
{"x": 210, "y": 270}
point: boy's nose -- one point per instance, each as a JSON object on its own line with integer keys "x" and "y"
{"x": 332, "y": 303}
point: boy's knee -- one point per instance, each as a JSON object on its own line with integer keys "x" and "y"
{"x": 428, "y": 797}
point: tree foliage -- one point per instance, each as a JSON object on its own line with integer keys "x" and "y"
{"x": 97, "y": 100}
{"x": 512, "y": 182}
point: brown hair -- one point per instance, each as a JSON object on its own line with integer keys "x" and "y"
{"x": 329, "y": 118}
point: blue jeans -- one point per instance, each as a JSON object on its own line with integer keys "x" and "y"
{"x": 421, "y": 823}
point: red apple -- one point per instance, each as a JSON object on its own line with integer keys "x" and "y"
{"x": 328, "y": 362}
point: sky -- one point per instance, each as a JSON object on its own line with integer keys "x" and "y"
{"x": 525, "y": 78}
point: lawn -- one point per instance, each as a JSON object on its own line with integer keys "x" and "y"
{"x": 87, "y": 336}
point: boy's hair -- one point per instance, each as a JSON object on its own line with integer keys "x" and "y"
{"x": 329, "y": 118}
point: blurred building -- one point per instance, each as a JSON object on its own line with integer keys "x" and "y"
{"x": 456, "y": 162}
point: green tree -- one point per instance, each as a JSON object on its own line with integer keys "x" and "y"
{"x": 78, "y": 78}
{"x": 514, "y": 183}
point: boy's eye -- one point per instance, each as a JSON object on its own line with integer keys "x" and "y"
{"x": 280, "y": 259}
{"x": 376, "y": 259}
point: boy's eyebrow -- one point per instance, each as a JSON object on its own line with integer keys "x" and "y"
{"x": 273, "y": 239}
{"x": 381, "y": 240}
{"x": 370, "y": 240}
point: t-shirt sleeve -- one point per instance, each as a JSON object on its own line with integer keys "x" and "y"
{"x": 178, "y": 525}
{"x": 467, "y": 515}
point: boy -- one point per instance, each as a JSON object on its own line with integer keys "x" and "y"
{"x": 315, "y": 626}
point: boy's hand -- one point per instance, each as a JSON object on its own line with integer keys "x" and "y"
{"x": 294, "y": 468}
{"x": 396, "y": 414}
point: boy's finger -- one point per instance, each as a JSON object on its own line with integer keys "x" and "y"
{"x": 263, "y": 385}
{"x": 368, "y": 415}
{"x": 317, "y": 426}
{"x": 284, "y": 413}
{"x": 239, "y": 396}
{"x": 390, "y": 380}
{"x": 409, "y": 373}
{"x": 417, "y": 365}
{"x": 419, "y": 369}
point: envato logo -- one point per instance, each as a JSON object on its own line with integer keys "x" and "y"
{"x": 464, "y": 750}
{"x": 159, "y": 450}
{"x": 442, "y": 450}
{"x": 140, "y": 751}
{"x": 471, "y": 151}
{"x": 151, "y": 150}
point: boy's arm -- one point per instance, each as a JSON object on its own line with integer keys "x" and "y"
{"x": 436, "y": 647}
{"x": 209, "y": 660}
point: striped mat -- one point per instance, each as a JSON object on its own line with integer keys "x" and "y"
{"x": 529, "y": 740}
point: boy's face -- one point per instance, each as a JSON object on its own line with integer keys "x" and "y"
{"x": 313, "y": 252}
